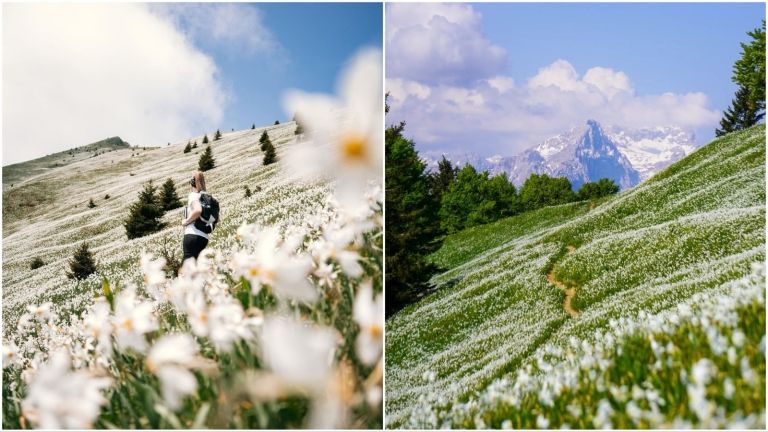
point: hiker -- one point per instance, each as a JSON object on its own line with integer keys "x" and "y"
{"x": 200, "y": 217}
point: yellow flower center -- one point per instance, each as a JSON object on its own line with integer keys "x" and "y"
{"x": 375, "y": 330}
{"x": 128, "y": 324}
{"x": 353, "y": 147}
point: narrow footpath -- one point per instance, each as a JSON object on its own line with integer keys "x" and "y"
{"x": 569, "y": 292}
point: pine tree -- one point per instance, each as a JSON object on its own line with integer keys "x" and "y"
{"x": 740, "y": 115}
{"x": 82, "y": 264}
{"x": 277, "y": 122}
{"x": 187, "y": 148}
{"x": 205, "y": 139}
{"x": 263, "y": 140}
{"x": 218, "y": 135}
{"x": 413, "y": 227}
{"x": 443, "y": 178}
{"x": 145, "y": 214}
{"x": 749, "y": 71}
{"x": 91, "y": 204}
{"x": 106, "y": 197}
{"x": 169, "y": 200}
{"x": 36, "y": 263}
{"x": 247, "y": 192}
{"x": 206, "y": 161}
{"x": 269, "y": 153}
{"x": 253, "y": 126}
{"x": 194, "y": 144}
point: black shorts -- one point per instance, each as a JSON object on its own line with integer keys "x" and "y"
{"x": 193, "y": 245}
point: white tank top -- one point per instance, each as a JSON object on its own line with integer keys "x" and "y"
{"x": 190, "y": 229}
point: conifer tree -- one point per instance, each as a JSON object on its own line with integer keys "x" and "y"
{"x": 169, "y": 200}
{"x": 740, "y": 115}
{"x": 263, "y": 140}
{"x": 206, "y": 161}
{"x": 194, "y": 144}
{"x": 145, "y": 214}
{"x": 187, "y": 148}
{"x": 36, "y": 263}
{"x": 269, "y": 153}
{"x": 247, "y": 192}
{"x": 82, "y": 264}
{"x": 205, "y": 139}
{"x": 277, "y": 122}
{"x": 749, "y": 70}
{"x": 91, "y": 204}
{"x": 253, "y": 126}
{"x": 218, "y": 135}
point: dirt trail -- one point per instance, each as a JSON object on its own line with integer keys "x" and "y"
{"x": 569, "y": 292}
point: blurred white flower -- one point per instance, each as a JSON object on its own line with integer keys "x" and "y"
{"x": 298, "y": 354}
{"x": 132, "y": 320}
{"x": 58, "y": 398}
{"x": 42, "y": 312}
{"x": 10, "y": 354}
{"x": 97, "y": 326}
{"x": 345, "y": 132}
{"x": 369, "y": 315}
{"x": 170, "y": 359}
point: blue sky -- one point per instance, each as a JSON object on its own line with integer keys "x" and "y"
{"x": 315, "y": 41}
{"x": 495, "y": 78}
{"x": 680, "y": 47}
{"x": 154, "y": 73}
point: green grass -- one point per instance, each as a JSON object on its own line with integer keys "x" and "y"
{"x": 692, "y": 229}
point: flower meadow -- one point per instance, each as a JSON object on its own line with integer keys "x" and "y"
{"x": 669, "y": 283}
{"x": 278, "y": 324}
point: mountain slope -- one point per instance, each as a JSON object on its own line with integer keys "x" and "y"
{"x": 15, "y": 173}
{"x": 53, "y": 229}
{"x": 459, "y": 357}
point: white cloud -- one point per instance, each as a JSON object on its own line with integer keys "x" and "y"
{"x": 239, "y": 27}
{"x": 439, "y": 43}
{"x": 77, "y": 73}
{"x": 490, "y": 118}
{"x": 501, "y": 83}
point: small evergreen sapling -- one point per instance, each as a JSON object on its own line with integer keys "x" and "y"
{"x": 253, "y": 126}
{"x": 91, "y": 204}
{"x": 217, "y": 136}
{"x": 194, "y": 144}
{"x": 263, "y": 140}
{"x": 145, "y": 214}
{"x": 270, "y": 156}
{"x": 206, "y": 161}
{"x": 277, "y": 122}
{"x": 169, "y": 200}
{"x": 187, "y": 148}
{"x": 205, "y": 139}
{"x": 247, "y": 192}
{"x": 36, "y": 263}
{"x": 82, "y": 264}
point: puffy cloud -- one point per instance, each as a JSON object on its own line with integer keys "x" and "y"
{"x": 74, "y": 74}
{"x": 495, "y": 116}
{"x": 439, "y": 43}
{"x": 238, "y": 27}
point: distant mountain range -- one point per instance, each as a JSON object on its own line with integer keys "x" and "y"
{"x": 587, "y": 153}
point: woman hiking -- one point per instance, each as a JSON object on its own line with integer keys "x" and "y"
{"x": 195, "y": 240}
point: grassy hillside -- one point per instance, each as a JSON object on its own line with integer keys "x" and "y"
{"x": 653, "y": 266}
{"x": 52, "y": 229}
{"x": 15, "y": 173}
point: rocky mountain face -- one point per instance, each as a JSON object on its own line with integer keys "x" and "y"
{"x": 588, "y": 153}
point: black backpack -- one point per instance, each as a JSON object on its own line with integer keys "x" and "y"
{"x": 210, "y": 215}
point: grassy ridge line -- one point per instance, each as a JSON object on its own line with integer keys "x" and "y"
{"x": 429, "y": 348}
{"x": 51, "y": 234}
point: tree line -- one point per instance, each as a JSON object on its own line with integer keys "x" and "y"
{"x": 422, "y": 207}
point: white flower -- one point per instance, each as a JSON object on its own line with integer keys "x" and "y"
{"x": 345, "y": 130}
{"x": 542, "y": 422}
{"x": 58, "y": 398}
{"x": 42, "y": 312}
{"x": 300, "y": 355}
{"x": 369, "y": 315}
{"x": 10, "y": 354}
{"x": 170, "y": 359}
{"x": 154, "y": 275}
{"x": 97, "y": 326}
{"x": 132, "y": 320}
